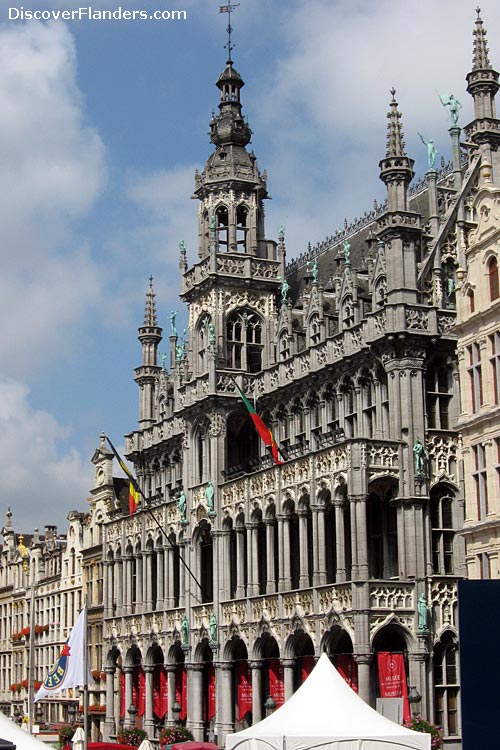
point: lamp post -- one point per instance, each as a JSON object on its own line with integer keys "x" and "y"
{"x": 414, "y": 697}
{"x": 269, "y": 705}
{"x": 72, "y": 713}
{"x": 176, "y": 710}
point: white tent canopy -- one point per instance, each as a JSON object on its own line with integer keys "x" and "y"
{"x": 23, "y": 741}
{"x": 326, "y": 713}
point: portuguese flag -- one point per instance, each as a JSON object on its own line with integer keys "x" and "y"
{"x": 264, "y": 432}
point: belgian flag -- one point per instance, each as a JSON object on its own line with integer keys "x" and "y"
{"x": 133, "y": 488}
{"x": 264, "y": 432}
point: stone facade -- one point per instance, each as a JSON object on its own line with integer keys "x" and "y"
{"x": 242, "y": 570}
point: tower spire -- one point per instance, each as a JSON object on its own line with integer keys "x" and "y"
{"x": 396, "y": 170}
{"x": 480, "y": 59}
{"x": 229, "y": 46}
{"x": 150, "y": 310}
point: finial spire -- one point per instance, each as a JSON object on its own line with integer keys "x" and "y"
{"x": 480, "y": 59}
{"x": 229, "y": 46}
{"x": 150, "y": 311}
{"x": 395, "y": 138}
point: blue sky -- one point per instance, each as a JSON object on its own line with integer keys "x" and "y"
{"x": 102, "y": 124}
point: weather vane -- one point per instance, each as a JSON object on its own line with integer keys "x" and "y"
{"x": 228, "y": 9}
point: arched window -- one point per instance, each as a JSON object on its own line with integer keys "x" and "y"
{"x": 443, "y": 533}
{"x": 222, "y": 227}
{"x": 284, "y": 346}
{"x": 350, "y": 410}
{"x": 203, "y": 342}
{"x": 315, "y": 330}
{"x": 368, "y": 405}
{"x": 438, "y": 396}
{"x": 244, "y": 341}
{"x": 472, "y": 305}
{"x": 493, "y": 277}
{"x": 446, "y": 684}
{"x": 382, "y": 532}
{"x": 241, "y": 229}
{"x": 348, "y": 312}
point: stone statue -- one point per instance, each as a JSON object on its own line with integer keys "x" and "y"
{"x": 209, "y": 497}
{"x": 347, "y": 252}
{"x": 423, "y": 614}
{"x": 213, "y": 628}
{"x": 184, "y": 631}
{"x": 285, "y": 286}
{"x": 281, "y": 233}
{"x": 182, "y": 505}
{"x": 420, "y": 457}
{"x": 211, "y": 334}
{"x": 212, "y": 227}
{"x": 314, "y": 269}
{"x": 431, "y": 151}
{"x": 173, "y": 315}
{"x": 453, "y": 104}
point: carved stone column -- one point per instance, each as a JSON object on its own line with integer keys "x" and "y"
{"x": 240, "y": 562}
{"x": 109, "y": 721}
{"x": 363, "y": 661}
{"x": 182, "y": 575}
{"x": 224, "y": 717}
{"x": 340, "y": 572}
{"x": 288, "y": 668}
{"x": 281, "y": 553}
{"x": 149, "y": 724}
{"x": 171, "y": 669}
{"x": 271, "y": 579}
{"x": 287, "y": 577}
{"x": 160, "y": 586}
{"x": 252, "y": 560}
{"x": 303, "y": 550}
{"x": 148, "y": 579}
{"x": 119, "y": 587}
{"x": 139, "y": 590}
{"x": 128, "y": 672}
{"x": 256, "y": 667}
{"x": 195, "y": 700}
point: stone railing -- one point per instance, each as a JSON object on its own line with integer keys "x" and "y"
{"x": 391, "y": 596}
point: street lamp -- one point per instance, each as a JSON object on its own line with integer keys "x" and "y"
{"x": 414, "y": 697}
{"x": 269, "y": 705}
{"x": 176, "y": 710}
{"x": 72, "y": 713}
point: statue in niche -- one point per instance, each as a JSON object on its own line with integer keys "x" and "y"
{"x": 211, "y": 334}
{"x": 212, "y": 628}
{"x": 453, "y": 104}
{"x": 209, "y": 497}
{"x": 184, "y": 631}
{"x": 423, "y": 614}
{"x": 431, "y": 151}
{"x": 182, "y": 505}
{"x": 421, "y": 457}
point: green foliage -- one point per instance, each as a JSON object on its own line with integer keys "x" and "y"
{"x": 421, "y": 725}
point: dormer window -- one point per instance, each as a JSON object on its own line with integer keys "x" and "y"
{"x": 222, "y": 228}
{"x": 493, "y": 277}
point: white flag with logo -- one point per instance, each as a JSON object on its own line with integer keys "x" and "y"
{"x": 69, "y": 669}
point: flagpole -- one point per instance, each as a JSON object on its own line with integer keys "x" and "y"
{"x": 31, "y": 650}
{"x": 85, "y": 683}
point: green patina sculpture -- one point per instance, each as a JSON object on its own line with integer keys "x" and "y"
{"x": 281, "y": 233}
{"x": 423, "y": 614}
{"x": 431, "y": 151}
{"x": 182, "y": 246}
{"x": 420, "y": 457}
{"x": 213, "y": 628}
{"x": 182, "y": 505}
{"x": 285, "y": 286}
{"x": 211, "y": 333}
{"x": 209, "y": 497}
{"x": 184, "y": 631}
{"x": 347, "y": 252}
{"x": 173, "y": 330}
{"x": 163, "y": 361}
{"x": 453, "y": 104}
{"x": 213, "y": 225}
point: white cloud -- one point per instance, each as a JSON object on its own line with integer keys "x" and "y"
{"x": 42, "y": 479}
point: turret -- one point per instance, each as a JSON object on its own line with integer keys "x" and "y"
{"x": 146, "y": 375}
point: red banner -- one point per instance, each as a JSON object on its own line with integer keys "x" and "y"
{"x": 276, "y": 682}
{"x": 306, "y": 666}
{"x": 160, "y": 692}
{"x": 348, "y": 669}
{"x": 244, "y": 686}
{"x": 392, "y": 679}
{"x": 122, "y": 695}
{"x": 181, "y": 690}
{"x": 209, "y": 706}
{"x": 139, "y": 690}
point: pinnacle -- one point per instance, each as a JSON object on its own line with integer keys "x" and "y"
{"x": 395, "y": 137}
{"x": 480, "y": 59}
{"x": 150, "y": 311}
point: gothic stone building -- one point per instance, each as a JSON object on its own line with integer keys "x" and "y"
{"x": 221, "y": 593}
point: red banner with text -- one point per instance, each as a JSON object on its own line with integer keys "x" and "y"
{"x": 307, "y": 666}
{"x": 209, "y": 707}
{"x": 348, "y": 669}
{"x": 181, "y": 691}
{"x": 392, "y": 679}
{"x": 244, "y": 684}
{"x": 122, "y": 695}
{"x": 276, "y": 682}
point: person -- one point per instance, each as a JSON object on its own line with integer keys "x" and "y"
{"x": 431, "y": 151}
